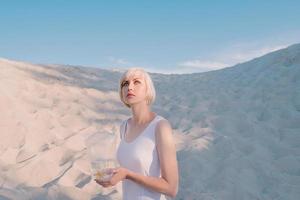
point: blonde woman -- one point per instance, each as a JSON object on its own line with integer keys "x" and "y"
{"x": 146, "y": 152}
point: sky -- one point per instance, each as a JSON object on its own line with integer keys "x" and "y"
{"x": 169, "y": 36}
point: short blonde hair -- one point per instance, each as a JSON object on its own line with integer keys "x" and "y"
{"x": 150, "y": 90}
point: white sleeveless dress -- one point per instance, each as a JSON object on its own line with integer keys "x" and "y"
{"x": 140, "y": 156}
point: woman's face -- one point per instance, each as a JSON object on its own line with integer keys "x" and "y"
{"x": 134, "y": 89}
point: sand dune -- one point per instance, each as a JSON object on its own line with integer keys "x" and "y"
{"x": 236, "y": 129}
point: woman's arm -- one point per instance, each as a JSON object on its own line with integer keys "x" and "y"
{"x": 168, "y": 182}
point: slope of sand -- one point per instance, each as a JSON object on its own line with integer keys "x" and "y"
{"x": 44, "y": 122}
{"x": 236, "y": 129}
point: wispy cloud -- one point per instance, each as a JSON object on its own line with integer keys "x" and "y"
{"x": 118, "y": 61}
{"x": 244, "y": 54}
{"x": 202, "y": 65}
{"x": 121, "y": 65}
{"x": 237, "y": 53}
{"x": 233, "y": 54}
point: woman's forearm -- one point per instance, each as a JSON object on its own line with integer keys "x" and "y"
{"x": 157, "y": 184}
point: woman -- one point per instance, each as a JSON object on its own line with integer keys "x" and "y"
{"x": 146, "y": 153}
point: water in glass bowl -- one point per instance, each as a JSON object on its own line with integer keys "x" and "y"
{"x": 102, "y": 170}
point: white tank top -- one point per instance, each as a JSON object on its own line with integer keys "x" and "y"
{"x": 140, "y": 156}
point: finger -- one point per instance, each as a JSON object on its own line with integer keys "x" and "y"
{"x": 104, "y": 184}
{"x": 114, "y": 171}
{"x": 101, "y": 182}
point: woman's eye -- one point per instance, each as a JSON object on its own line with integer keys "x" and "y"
{"x": 124, "y": 84}
{"x": 136, "y": 82}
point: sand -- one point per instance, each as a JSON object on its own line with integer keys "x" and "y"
{"x": 236, "y": 129}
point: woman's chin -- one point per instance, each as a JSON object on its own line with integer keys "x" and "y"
{"x": 132, "y": 102}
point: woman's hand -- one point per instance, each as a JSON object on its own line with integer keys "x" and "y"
{"x": 119, "y": 174}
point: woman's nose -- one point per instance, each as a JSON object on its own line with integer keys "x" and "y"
{"x": 130, "y": 86}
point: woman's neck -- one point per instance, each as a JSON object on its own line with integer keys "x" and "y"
{"x": 141, "y": 114}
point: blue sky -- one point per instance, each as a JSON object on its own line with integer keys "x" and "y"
{"x": 161, "y": 36}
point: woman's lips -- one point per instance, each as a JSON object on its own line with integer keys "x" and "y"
{"x": 130, "y": 95}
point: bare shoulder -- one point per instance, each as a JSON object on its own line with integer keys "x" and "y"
{"x": 163, "y": 124}
{"x": 163, "y": 129}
